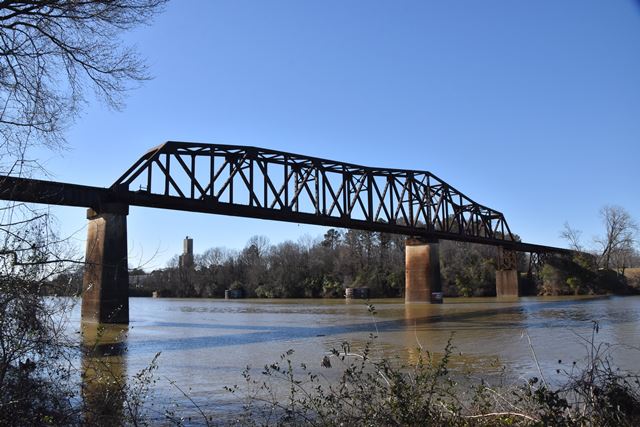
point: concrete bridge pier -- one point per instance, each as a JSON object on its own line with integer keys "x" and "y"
{"x": 507, "y": 274}
{"x": 422, "y": 274}
{"x": 105, "y": 285}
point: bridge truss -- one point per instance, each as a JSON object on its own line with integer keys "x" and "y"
{"x": 250, "y": 181}
{"x": 261, "y": 183}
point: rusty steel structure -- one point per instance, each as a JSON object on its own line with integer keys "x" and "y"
{"x": 268, "y": 184}
{"x": 256, "y": 182}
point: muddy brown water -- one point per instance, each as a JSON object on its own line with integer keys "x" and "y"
{"x": 205, "y": 344}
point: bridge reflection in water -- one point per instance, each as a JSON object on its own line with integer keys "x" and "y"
{"x": 104, "y": 373}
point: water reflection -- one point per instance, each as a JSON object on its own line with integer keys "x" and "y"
{"x": 428, "y": 330}
{"x": 206, "y": 344}
{"x": 104, "y": 373}
{"x": 425, "y": 324}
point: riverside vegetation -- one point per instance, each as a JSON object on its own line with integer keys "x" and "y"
{"x": 381, "y": 391}
{"x": 324, "y": 267}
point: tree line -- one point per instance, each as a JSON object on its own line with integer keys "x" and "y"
{"x": 325, "y": 266}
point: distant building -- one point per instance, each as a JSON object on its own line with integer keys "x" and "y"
{"x": 186, "y": 259}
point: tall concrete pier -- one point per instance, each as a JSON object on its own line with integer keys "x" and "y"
{"x": 105, "y": 286}
{"x": 507, "y": 274}
{"x": 422, "y": 276}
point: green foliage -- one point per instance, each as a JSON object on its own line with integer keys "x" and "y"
{"x": 236, "y": 286}
{"x": 368, "y": 259}
{"x": 562, "y": 275}
{"x": 332, "y": 288}
{"x": 467, "y": 269}
{"x": 574, "y": 284}
{"x": 465, "y": 288}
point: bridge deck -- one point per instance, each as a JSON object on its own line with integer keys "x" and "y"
{"x": 98, "y": 198}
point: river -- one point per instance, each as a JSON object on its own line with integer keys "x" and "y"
{"x": 205, "y": 344}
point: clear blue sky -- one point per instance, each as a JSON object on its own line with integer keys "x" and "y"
{"x": 529, "y": 107}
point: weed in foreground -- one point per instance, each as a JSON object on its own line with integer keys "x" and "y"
{"x": 371, "y": 391}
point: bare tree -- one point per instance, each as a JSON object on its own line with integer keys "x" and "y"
{"x": 619, "y": 237}
{"x": 572, "y": 236}
{"x": 52, "y": 52}
{"x": 261, "y": 245}
{"x": 623, "y": 258}
{"x": 212, "y": 257}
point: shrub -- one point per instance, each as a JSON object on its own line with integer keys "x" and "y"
{"x": 380, "y": 391}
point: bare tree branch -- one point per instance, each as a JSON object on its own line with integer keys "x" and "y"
{"x": 52, "y": 52}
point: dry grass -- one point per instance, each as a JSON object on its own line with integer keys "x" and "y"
{"x": 632, "y": 272}
{"x": 633, "y": 278}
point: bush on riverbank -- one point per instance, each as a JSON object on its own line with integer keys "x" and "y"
{"x": 374, "y": 391}
{"x": 563, "y": 275}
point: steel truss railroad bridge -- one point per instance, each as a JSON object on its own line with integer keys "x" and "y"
{"x": 267, "y": 184}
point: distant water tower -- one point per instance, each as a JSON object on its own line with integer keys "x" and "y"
{"x": 186, "y": 259}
